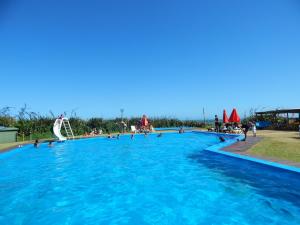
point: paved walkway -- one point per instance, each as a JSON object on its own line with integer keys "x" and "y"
{"x": 242, "y": 146}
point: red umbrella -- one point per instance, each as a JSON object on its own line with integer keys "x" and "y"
{"x": 144, "y": 120}
{"x": 225, "y": 117}
{"x": 234, "y": 117}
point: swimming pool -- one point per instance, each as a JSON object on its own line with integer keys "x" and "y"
{"x": 147, "y": 180}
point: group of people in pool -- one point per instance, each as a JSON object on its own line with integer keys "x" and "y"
{"x": 37, "y": 143}
{"x": 109, "y": 136}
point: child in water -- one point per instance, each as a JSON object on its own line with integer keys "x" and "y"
{"x": 50, "y": 144}
{"x": 36, "y": 143}
{"x": 222, "y": 139}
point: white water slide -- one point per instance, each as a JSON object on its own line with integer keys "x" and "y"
{"x": 57, "y": 128}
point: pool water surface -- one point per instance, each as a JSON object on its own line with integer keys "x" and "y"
{"x": 144, "y": 180}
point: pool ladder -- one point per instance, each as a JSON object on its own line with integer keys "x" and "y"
{"x": 68, "y": 128}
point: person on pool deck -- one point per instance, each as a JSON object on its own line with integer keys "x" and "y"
{"x": 254, "y": 129}
{"x": 36, "y": 143}
{"x": 217, "y": 125}
{"x": 245, "y": 128}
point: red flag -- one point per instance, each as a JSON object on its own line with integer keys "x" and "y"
{"x": 234, "y": 117}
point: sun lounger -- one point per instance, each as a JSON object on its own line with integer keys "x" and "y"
{"x": 133, "y": 129}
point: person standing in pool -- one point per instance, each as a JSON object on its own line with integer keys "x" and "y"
{"x": 36, "y": 143}
{"x": 50, "y": 144}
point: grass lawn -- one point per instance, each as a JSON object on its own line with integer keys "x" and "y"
{"x": 278, "y": 145}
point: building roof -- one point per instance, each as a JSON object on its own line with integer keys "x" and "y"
{"x": 279, "y": 111}
{"x": 4, "y": 129}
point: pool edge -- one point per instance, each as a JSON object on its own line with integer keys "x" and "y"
{"x": 217, "y": 149}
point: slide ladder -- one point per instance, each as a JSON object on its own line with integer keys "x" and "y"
{"x": 57, "y": 128}
{"x": 68, "y": 128}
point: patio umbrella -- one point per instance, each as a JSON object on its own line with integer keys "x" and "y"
{"x": 144, "y": 120}
{"x": 225, "y": 117}
{"x": 234, "y": 117}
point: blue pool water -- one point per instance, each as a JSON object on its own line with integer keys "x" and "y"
{"x": 172, "y": 128}
{"x": 147, "y": 180}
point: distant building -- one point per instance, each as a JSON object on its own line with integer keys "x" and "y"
{"x": 8, "y": 134}
{"x": 285, "y": 119}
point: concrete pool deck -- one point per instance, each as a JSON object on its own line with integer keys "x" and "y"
{"x": 244, "y": 148}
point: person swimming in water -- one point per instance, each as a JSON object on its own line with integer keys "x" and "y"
{"x": 132, "y": 136}
{"x": 159, "y": 135}
{"x": 36, "y": 143}
{"x": 50, "y": 144}
{"x": 222, "y": 139}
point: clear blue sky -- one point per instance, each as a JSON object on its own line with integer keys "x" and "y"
{"x": 162, "y": 58}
